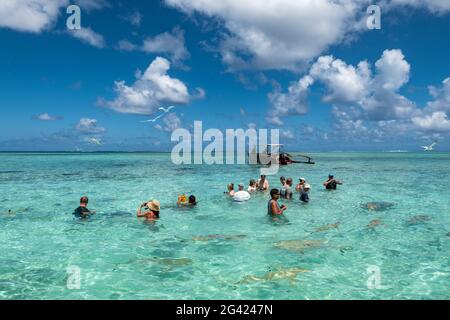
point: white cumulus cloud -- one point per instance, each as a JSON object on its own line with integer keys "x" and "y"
{"x": 151, "y": 89}
{"x": 437, "y": 121}
{"x": 46, "y": 117}
{"x": 169, "y": 44}
{"x": 89, "y": 126}
{"x": 89, "y": 36}
{"x": 434, "y": 6}
{"x": 276, "y": 34}
{"x": 39, "y": 15}
{"x": 30, "y": 15}
{"x": 294, "y": 102}
{"x": 376, "y": 94}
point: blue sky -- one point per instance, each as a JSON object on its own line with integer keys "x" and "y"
{"x": 312, "y": 69}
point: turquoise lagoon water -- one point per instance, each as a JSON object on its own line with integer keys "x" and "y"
{"x": 121, "y": 257}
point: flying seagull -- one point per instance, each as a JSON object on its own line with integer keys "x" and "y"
{"x": 153, "y": 120}
{"x": 165, "y": 110}
{"x": 430, "y": 147}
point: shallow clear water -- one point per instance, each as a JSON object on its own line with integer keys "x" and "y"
{"x": 121, "y": 257}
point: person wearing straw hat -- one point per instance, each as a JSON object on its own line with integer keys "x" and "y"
{"x": 151, "y": 212}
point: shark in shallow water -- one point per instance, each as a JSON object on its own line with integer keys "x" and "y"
{"x": 287, "y": 274}
{"x": 299, "y": 245}
{"x": 328, "y": 227}
{"x": 218, "y": 237}
{"x": 418, "y": 219}
{"x": 377, "y": 206}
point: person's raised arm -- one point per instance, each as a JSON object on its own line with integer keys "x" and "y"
{"x": 139, "y": 211}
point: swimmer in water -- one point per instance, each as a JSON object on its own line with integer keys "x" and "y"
{"x": 304, "y": 193}
{"x": 286, "y": 190}
{"x": 231, "y": 191}
{"x": 300, "y": 185}
{"x": 332, "y": 183}
{"x": 241, "y": 195}
{"x": 82, "y": 211}
{"x": 183, "y": 201}
{"x": 151, "y": 212}
{"x": 252, "y": 186}
{"x": 263, "y": 184}
{"x": 273, "y": 207}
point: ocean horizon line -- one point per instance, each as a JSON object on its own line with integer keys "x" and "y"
{"x": 168, "y": 152}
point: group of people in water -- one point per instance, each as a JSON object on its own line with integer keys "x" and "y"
{"x": 150, "y": 210}
{"x": 286, "y": 191}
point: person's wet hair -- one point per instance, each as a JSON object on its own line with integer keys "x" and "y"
{"x": 274, "y": 192}
{"x": 192, "y": 200}
{"x": 84, "y": 200}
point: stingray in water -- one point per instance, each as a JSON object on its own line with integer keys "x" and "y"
{"x": 378, "y": 206}
{"x": 299, "y": 245}
{"x": 329, "y": 227}
{"x": 289, "y": 274}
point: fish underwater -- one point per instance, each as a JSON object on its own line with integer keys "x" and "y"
{"x": 170, "y": 262}
{"x": 289, "y": 274}
{"x": 377, "y": 206}
{"x": 299, "y": 245}
{"x": 374, "y": 223}
{"x": 218, "y": 237}
{"x": 418, "y": 219}
{"x": 167, "y": 264}
{"x": 328, "y": 227}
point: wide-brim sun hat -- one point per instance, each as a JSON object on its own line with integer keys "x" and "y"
{"x": 307, "y": 186}
{"x": 154, "y": 205}
{"x": 302, "y": 179}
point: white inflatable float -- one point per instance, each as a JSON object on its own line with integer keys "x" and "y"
{"x": 241, "y": 196}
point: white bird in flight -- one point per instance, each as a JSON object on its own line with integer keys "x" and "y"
{"x": 166, "y": 110}
{"x": 162, "y": 109}
{"x": 430, "y": 147}
{"x": 153, "y": 120}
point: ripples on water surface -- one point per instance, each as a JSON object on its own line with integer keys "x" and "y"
{"x": 392, "y": 212}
